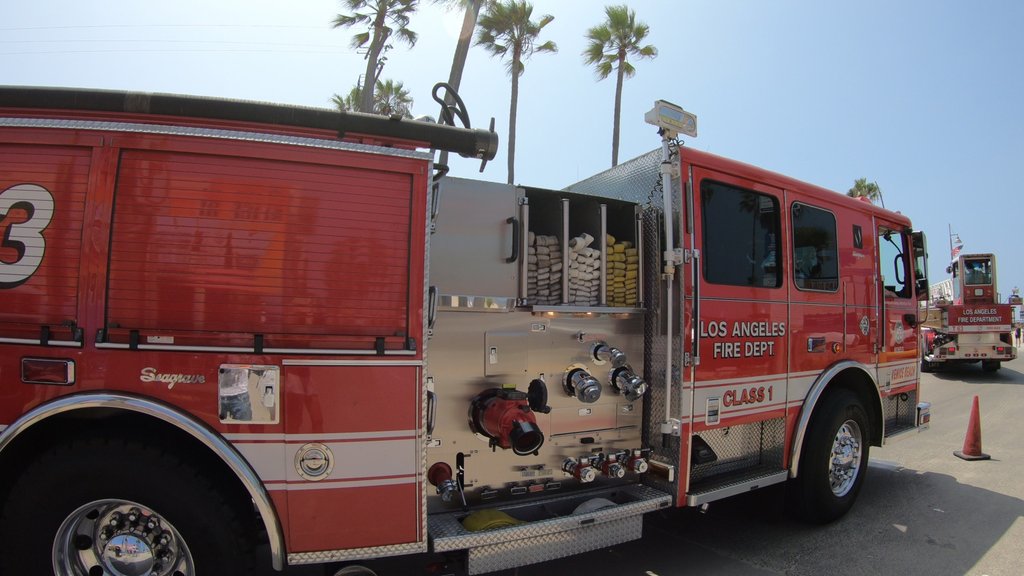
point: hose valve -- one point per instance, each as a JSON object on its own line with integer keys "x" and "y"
{"x": 611, "y": 467}
{"x": 637, "y": 461}
{"x": 628, "y": 383}
{"x": 440, "y": 475}
{"x": 504, "y": 417}
{"x": 579, "y": 469}
{"x": 604, "y": 353}
{"x": 579, "y": 383}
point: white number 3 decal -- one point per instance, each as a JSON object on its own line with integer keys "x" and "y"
{"x": 25, "y": 237}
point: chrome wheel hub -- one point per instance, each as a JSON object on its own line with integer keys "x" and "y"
{"x": 844, "y": 464}
{"x": 119, "y": 538}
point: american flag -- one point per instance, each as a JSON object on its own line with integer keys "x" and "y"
{"x": 956, "y": 250}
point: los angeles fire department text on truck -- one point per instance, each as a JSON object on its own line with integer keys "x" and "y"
{"x": 228, "y": 326}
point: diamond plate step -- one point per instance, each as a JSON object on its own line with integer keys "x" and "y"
{"x": 552, "y": 531}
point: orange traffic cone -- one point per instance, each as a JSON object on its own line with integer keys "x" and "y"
{"x": 972, "y": 443}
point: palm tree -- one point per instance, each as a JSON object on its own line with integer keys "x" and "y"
{"x": 390, "y": 98}
{"x": 470, "y": 14}
{"x": 507, "y": 30}
{"x": 610, "y": 43}
{"x": 350, "y": 102}
{"x": 863, "y": 188}
{"x": 383, "y": 19}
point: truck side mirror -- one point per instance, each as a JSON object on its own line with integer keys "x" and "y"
{"x": 920, "y": 253}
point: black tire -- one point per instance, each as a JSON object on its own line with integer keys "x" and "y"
{"x": 991, "y": 365}
{"x": 927, "y": 366}
{"x": 82, "y": 477}
{"x": 821, "y": 493}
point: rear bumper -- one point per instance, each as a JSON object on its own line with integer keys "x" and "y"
{"x": 973, "y": 354}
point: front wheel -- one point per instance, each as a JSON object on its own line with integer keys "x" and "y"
{"x": 108, "y": 507}
{"x": 834, "y": 458}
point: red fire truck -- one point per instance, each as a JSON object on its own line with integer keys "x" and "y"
{"x": 230, "y": 327}
{"x": 971, "y": 326}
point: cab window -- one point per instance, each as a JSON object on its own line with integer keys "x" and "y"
{"x": 892, "y": 261}
{"x": 741, "y": 236}
{"x": 815, "y": 254}
{"x": 977, "y": 272}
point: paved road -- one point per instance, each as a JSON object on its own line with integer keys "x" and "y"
{"x": 922, "y": 510}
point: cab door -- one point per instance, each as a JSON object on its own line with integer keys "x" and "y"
{"x": 741, "y": 323}
{"x": 897, "y": 311}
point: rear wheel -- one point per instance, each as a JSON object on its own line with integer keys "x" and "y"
{"x": 991, "y": 365}
{"x": 96, "y": 507}
{"x": 834, "y": 458}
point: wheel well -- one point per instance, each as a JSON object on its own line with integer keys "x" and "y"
{"x": 850, "y": 376}
{"x": 860, "y": 384}
{"x": 100, "y": 422}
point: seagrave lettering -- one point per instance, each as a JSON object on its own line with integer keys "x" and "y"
{"x": 149, "y": 374}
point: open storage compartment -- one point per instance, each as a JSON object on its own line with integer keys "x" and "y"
{"x": 586, "y": 255}
{"x": 582, "y": 252}
{"x": 544, "y": 265}
{"x": 625, "y": 256}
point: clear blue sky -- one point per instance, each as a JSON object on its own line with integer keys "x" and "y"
{"x": 925, "y": 97}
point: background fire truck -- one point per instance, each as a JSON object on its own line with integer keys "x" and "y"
{"x": 968, "y": 324}
{"x": 228, "y": 325}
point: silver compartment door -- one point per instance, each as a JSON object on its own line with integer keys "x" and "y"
{"x": 474, "y": 239}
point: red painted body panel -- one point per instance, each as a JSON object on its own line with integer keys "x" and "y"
{"x": 51, "y": 298}
{"x": 209, "y": 242}
{"x": 362, "y": 403}
{"x": 362, "y": 517}
{"x": 351, "y": 399}
{"x": 255, "y": 246}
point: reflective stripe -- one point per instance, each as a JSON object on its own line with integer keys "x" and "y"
{"x": 319, "y": 437}
{"x": 745, "y": 380}
{"x": 726, "y": 413}
{"x": 340, "y": 484}
{"x": 289, "y": 362}
{"x": 376, "y": 461}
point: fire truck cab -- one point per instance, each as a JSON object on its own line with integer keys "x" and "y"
{"x": 229, "y": 327}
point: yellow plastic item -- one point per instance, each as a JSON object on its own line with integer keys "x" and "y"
{"x": 489, "y": 519}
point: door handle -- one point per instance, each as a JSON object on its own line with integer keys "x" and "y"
{"x": 515, "y": 239}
